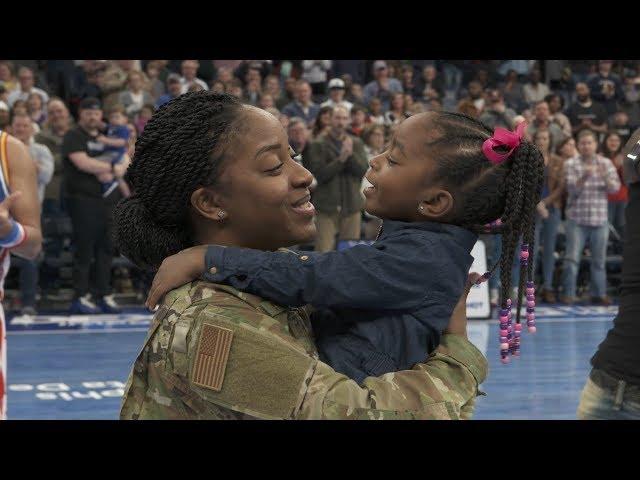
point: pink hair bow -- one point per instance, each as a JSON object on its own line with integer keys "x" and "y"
{"x": 503, "y": 138}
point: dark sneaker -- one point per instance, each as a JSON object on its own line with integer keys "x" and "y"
{"x": 548, "y": 296}
{"x": 108, "y": 305}
{"x": 567, "y": 300}
{"x": 604, "y": 301}
{"x": 84, "y": 306}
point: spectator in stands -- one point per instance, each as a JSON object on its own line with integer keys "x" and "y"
{"x": 135, "y": 97}
{"x": 475, "y": 96}
{"x": 36, "y": 109}
{"x": 236, "y": 89}
{"x": 303, "y": 106}
{"x": 7, "y": 77}
{"x": 90, "y": 213}
{"x": 225, "y": 75}
{"x": 358, "y": 120}
{"x": 265, "y": 102}
{"x": 94, "y": 85}
{"x": 556, "y": 105}
{"x": 336, "y": 95}
{"x": 408, "y": 84}
{"x": 189, "y": 70}
{"x": 397, "y": 113}
{"x": 535, "y": 90}
{"x": 272, "y": 87}
{"x": 542, "y": 121}
{"x": 26, "y": 87}
{"x": 356, "y": 94}
{"x": 429, "y": 85}
{"x": 114, "y": 80}
{"x": 144, "y": 116}
{"x": 4, "y": 94}
{"x": 512, "y": 91}
{"x": 339, "y": 162}
{"x": 496, "y": 113}
{"x": 218, "y": 87}
{"x": 58, "y": 123}
{"x": 589, "y": 178}
{"x": 434, "y": 105}
{"x": 586, "y": 113}
{"x": 566, "y": 149}
{"x": 322, "y": 124}
{"x": 5, "y": 115}
{"x": 373, "y": 138}
{"x": 382, "y": 87}
{"x": 299, "y": 136}
{"x": 19, "y": 108}
{"x": 376, "y": 114}
{"x": 612, "y": 149}
{"x": 252, "y": 90}
{"x": 606, "y": 87}
{"x": 156, "y": 86}
{"x": 174, "y": 90}
{"x": 315, "y": 72}
{"x": 22, "y": 129}
{"x": 467, "y": 107}
{"x": 548, "y": 216}
{"x": 621, "y": 125}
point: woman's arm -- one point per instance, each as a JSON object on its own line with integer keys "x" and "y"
{"x": 266, "y": 376}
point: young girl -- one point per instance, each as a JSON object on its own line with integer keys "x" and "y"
{"x": 442, "y": 179}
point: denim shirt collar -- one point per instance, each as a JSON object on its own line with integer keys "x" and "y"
{"x": 464, "y": 236}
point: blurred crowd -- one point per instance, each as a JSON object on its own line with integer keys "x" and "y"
{"x": 579, "y": 113}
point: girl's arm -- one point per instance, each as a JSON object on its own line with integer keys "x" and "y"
{"x": 381, "y": 276}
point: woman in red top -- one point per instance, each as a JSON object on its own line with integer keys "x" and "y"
{"x": 612, "y": 149}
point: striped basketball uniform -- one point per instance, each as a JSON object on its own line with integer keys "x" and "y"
{"x": 5, "y": 260}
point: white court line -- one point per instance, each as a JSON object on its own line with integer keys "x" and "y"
{"x": 554, "y": 320}
{"x": 76, "y": 332}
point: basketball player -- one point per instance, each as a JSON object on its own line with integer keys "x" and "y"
{"x": 19, "y": 226}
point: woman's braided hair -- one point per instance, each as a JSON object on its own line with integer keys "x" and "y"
{"x": 181, "y": 149}
{"x": 484, "y": 192}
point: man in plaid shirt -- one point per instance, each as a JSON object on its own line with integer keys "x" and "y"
{"x": 589, "y": 178}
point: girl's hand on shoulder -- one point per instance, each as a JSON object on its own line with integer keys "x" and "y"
{"x": 175, "y": 271}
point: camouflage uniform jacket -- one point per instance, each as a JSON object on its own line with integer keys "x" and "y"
{"x": 213, "y": 352}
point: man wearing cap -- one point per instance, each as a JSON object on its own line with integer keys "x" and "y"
{"x": 383, "y": 86}
{"x": 91, "y": 213}
{"x": 174, "y": 90}
{"x": 336, "y": 95}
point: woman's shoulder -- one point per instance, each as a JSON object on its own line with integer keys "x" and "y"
{"x": 201, "y": 301}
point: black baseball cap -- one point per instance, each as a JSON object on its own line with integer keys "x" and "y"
{"x": 90, "y": 103}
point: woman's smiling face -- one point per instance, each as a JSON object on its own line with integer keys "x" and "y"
{"x": 264, "y": 191}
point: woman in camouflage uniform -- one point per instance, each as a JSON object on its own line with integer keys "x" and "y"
{"x": 209, "y": 170}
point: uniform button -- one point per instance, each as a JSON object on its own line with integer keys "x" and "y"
{"x": 213, "y": 270}
{"x": 304, "y": 257}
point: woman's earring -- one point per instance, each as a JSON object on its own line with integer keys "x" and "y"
{"x": 221, "y": 214}
{"x": 421, "y": 208}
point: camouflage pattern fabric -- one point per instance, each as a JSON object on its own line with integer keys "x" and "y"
{"x": 273, "y": 371}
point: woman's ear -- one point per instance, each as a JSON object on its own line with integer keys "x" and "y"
{"x": 208, "y": 203}
{"x": 437, "y": 205}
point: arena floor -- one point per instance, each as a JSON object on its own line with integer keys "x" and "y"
{"x": 75, "y": 367}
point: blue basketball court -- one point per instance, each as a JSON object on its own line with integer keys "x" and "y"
{"x": 62, "y": 367}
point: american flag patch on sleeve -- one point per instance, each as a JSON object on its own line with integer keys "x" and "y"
{"x": 212, "y": 356}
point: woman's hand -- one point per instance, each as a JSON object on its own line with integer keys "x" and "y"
{"x": 175, "y": 271}
{"x": 458, "y": 323}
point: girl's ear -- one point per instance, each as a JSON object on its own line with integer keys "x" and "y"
{"x": 437, "y": 204}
